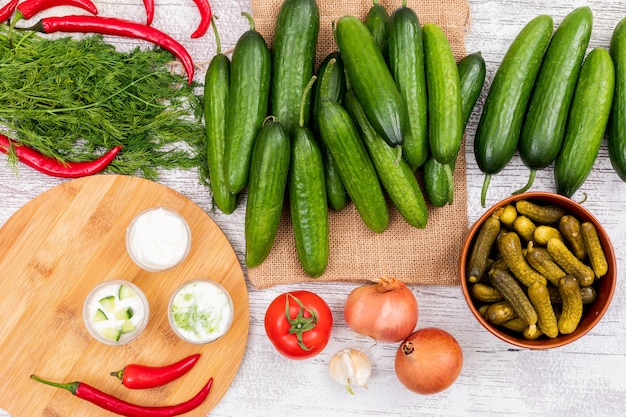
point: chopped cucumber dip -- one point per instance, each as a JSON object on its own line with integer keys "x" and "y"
{"x": 201, "y": 311}
{"x": 115, "y": 312}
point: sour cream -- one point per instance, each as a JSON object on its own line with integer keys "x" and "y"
{"x": 200, "y": 311}
{"x": 158, "y": 239}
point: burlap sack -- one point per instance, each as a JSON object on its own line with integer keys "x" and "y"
{"x": 428, "y": 256}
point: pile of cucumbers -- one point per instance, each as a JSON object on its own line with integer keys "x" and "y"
{"x": 552, "y": 102}
{"x": 391, "y": 101}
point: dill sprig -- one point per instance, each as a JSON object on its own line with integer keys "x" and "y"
{"x": 72, "y": 99}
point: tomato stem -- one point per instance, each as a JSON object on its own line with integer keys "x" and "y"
{"x": 300, "y": 324}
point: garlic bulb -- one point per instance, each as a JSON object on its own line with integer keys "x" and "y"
{"x": 350, "y": 367}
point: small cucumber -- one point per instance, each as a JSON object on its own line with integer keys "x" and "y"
{"x": 617, "y": 125}
{"x": 294, "y": 47}
{"x": 593, "y": 248}
{"x": 504, "y": 282}
{"x": 482, "y": 248}
{"x": 307, "y": 200}
{"x": 539, "y": 296}
{"x": 250, "y": 77}
{"x": 573, "y": 266}
{"x": 395, "y": 174}
{"x": 472, "y": 73}
{"x": 266, "y": 190}
{"x": 544, "y": 124}
{"x": 216, "y": 91}
{"x": 540, "y": 213}
{"x": 406, "y": 61}
{"x": 586, "y": 122}
{"x": 510, "y": 248}
{"x": 369, "y": 76}
{"x": 572, "y": 303}
{"x": 330, "y": 84}
{"x": 377, "y": 21}
{"x": 498, "y": 130}
{"x": 341, "y": 137}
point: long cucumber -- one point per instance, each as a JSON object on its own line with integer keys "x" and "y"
{"x": 342, "y": 138}
{"x": 498, "y": 130}
{"x": 406, "y": 60}
{"x": 371, "y": 80}
{"x": 266, "y": 190}
{"x": 250, "y": 77}
{"x": 586, "y": 123}
{"x": 395, "y": 174}
{"x": 543, "y": 129}
{"x": 472, "y": 74}
{"x": 216, "y": 91}
{"x": 617, "y": 123}
{"x": 294, "y": 47}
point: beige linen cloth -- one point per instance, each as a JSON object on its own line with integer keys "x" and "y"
{"x": 428, "y": 256}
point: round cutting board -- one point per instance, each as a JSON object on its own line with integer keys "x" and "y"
{"x": 55, "y": 249}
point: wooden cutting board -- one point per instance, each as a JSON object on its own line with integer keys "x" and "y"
{"x": 61, "y": 244}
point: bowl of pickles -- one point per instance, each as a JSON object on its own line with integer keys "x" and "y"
{"x": 538, "y": 270}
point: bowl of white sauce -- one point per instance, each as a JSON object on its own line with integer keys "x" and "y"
{"x": 200, "y": 311}
{"x": 116, "y": 311}
{"x": 158, "y": 239}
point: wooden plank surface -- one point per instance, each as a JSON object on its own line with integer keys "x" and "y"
{"x": 585, "y": 378}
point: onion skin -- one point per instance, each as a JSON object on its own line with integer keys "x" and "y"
{"x": 428, "y": 361}
{"x": 386, "y": 311}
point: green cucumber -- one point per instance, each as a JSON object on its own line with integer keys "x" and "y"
{"x": 330, "y": 84}
{"x": 395, "y": 174}
{"x": 377, "y": 21}
{"x": 543, "y": 129}
{"x": 445, "y": 120}
{"x": 406, "y": 61}
{"x": 266, "y": 190}
{"x": 500, "y": 123}
{"x": 307, "y": 200}
{"x": 250, "y": 77}
{"x": 586, "y": 122}
{"x": 472, "y": 73}
{"x": 216, "y": 91}
{"x": 126, "y": 292}
{"x": 341, "y": 137}
{"x": 371, "y": 80}
{"x": 108, "y": 303}
{"x": 99, "y": 316}
{"x": 294, "y": 47}
{"x": 617, "y": 123}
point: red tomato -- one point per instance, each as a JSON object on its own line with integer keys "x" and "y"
{"x": 304, "y": 331}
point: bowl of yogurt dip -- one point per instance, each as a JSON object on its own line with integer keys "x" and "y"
{"x": 158, "y": 239}
{"x": 200, "y": 311}
{"x": 116, "y": 311}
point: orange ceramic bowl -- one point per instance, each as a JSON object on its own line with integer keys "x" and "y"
{"x": 605, "y": 286}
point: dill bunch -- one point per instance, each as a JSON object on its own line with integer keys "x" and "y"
{"x": 72, "y": 99}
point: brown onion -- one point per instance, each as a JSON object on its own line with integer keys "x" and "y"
{"x": 386, "y": 311}
{"x": 428, "y": 361}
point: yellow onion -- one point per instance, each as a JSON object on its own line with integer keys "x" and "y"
{"x": 428, "y": 361}
{"x": 386, "y": 310}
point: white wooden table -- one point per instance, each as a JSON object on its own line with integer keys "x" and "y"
{"x": 585, "y": 378}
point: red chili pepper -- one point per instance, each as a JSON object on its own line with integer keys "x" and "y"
{"x": 205, "y": 17}
{"x": 142, "y": 376}
{"x": 29, "y": 8}
{"x": 149, "y": 5}
{"x": 7, "y": 10}
{"x": 117, "y": 27}
{"x": 53, "y": 167}
{"x": 119, "y": 406}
